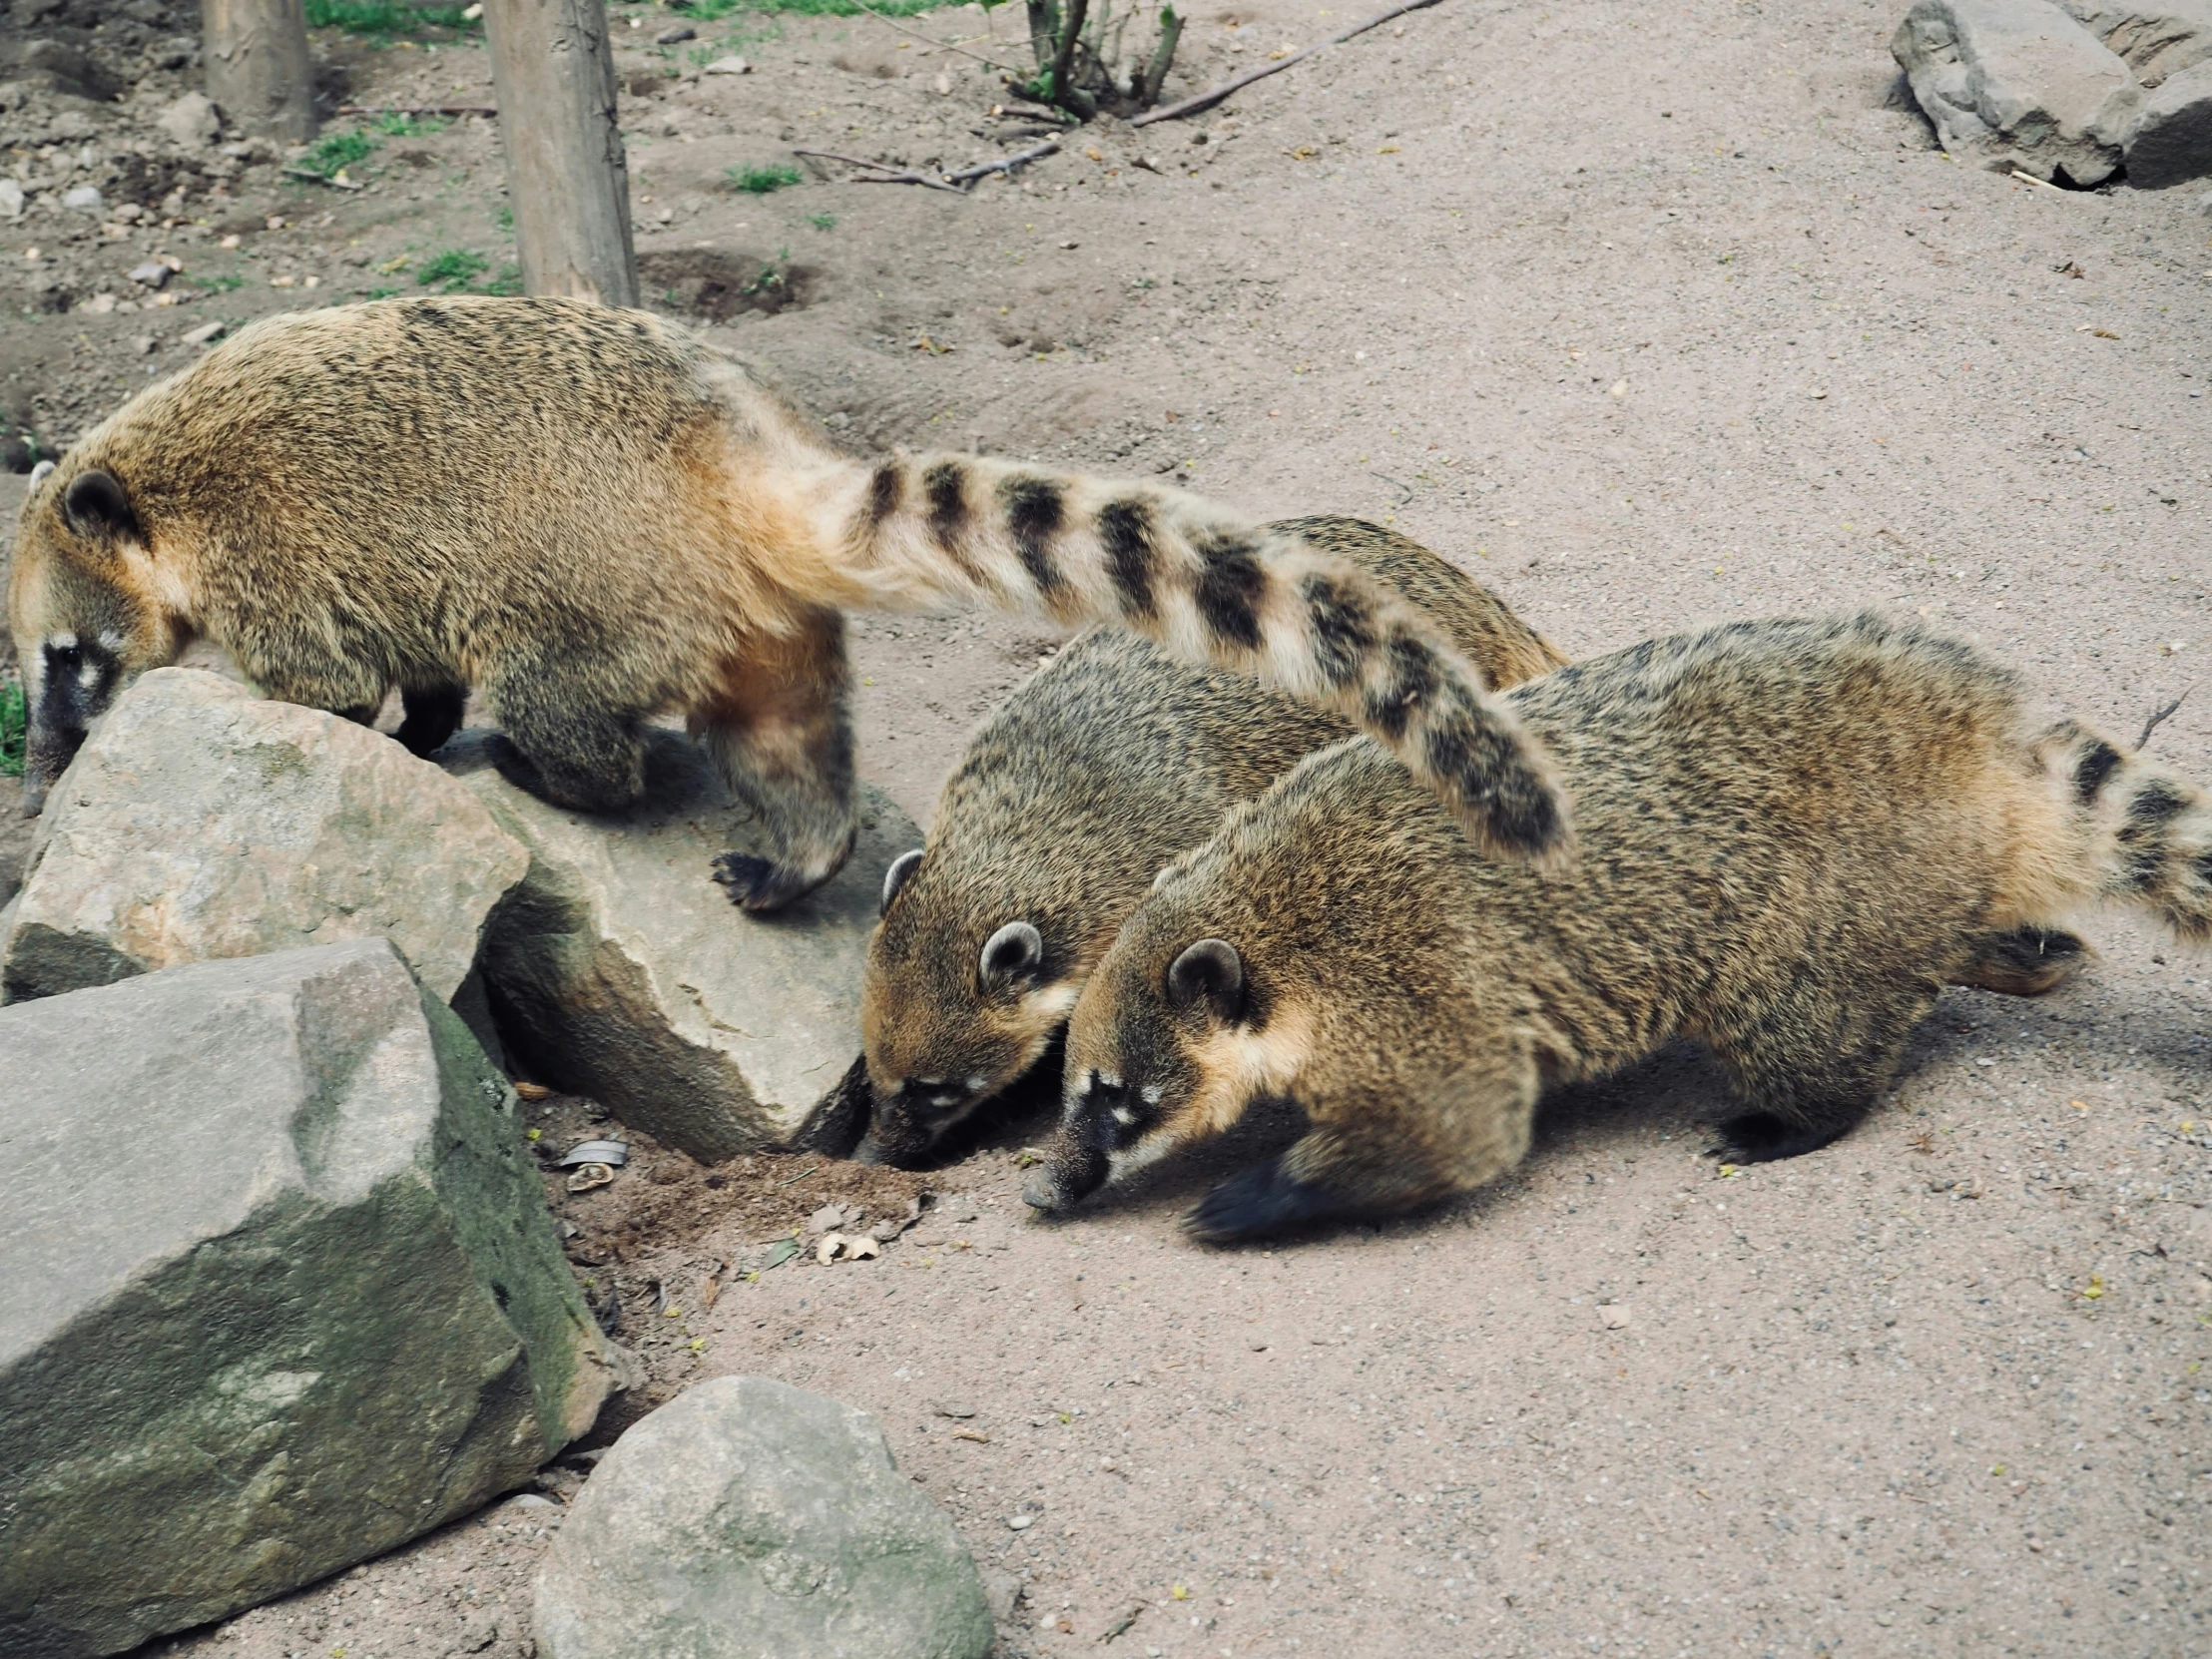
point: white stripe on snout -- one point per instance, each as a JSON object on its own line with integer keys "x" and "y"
{"x": 1148, "y": 1151}
{"x": 1124, "y": 1116}
{"x": 1152, "y": 1093}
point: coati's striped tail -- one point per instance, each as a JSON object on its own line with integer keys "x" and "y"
{"x": 2146, "y": 833}
{"x": 1209, "y": 587}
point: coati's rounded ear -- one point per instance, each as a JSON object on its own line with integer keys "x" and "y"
{"x": 95, "y": 505}
{"x": 901, "y": 871}
{"x": 1015, "y": 949}
{"x": 1210, "y": 971}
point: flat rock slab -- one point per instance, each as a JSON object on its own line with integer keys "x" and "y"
{"x": 620, "y": 971}
{"x": 2018, "y": 84}
{"x": 2159, "y": 38}
{"x": 201, "y": 822}
{"x": 282, "y": 1291}
{"x": 749, "y": 1519}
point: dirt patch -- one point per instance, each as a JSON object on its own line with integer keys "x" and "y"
{"x": 708, "y": 282}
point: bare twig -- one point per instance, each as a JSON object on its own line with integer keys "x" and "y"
{"x": 2161, "y": 716}
{"x": 2024, "y": 178}
{"x": 946, "y": 45}
{"x": 315, "y": 177}
{"x": 420, "y": 108}
{"x": 1215, "y": 95}
{"x": 881, "y": 173}
{"x": 1005, "y": 163}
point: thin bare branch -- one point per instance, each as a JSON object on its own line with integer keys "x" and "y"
{"x": 1215, "y": 95}
{"x": 881, "y": 173}
{"x": 1005, "y": 163}
{"x": 2161, "y": 715}
{"x": 417, "y": 109}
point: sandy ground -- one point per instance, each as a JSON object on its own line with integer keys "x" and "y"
{"x": 1650, "y": 316}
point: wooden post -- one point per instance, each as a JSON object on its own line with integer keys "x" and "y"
{"x": 567, "y": 179}
{"x": 258, "y": 72}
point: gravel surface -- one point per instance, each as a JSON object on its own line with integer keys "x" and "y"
{"x": 1649, "y": 317}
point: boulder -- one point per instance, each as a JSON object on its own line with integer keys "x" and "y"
{"x": 747, "y": 1517}
{"x": 192, "y": 122}
{"x": 2172, "y": 142}
{"x": 2019, "y": 83}
{"x": 198, "y": 822}
{"x": 282, "y": 1291}
{"x": 620, "y": 971}
{"x": 2157, "y": 38}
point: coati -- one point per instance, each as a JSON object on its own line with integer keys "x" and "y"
{"x": 1070, "y": 798}
{"x": 1094, "y": 774}
{"x": 596, "y": 517}
{"x": 1790, "y": 834}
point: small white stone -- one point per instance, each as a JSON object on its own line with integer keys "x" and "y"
{"x": 1021, "y": 1523}
{"x": 85, "y": 198}
{"x": 205, "y": 334}
{"x": 11, "y": 198}
{"x": 729, "y": 66}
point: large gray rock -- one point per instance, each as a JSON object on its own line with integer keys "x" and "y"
{"x": 2173, "y": 143}
{"x": 2157, "y": 38}
{"x": 282, "y": 1292}
{"x": 200, "y": 822}
{"x": 619, "y": 971}
{"x": 2019, "y": 83}
{"x": 749, "y": 1519}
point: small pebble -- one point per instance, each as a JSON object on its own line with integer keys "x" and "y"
{"x": 1021, "y": 1523}
{"x": 670, "y": 37}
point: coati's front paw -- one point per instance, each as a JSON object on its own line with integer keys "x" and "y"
{"x": 1262, "y": 1199}
{"x": 1764, "y": 1137}
{"x": 759, "y": 885}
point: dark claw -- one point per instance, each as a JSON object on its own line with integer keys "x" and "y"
{"x": 745, "y": 877}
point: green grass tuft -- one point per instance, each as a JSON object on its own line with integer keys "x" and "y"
{"x": 823, "y": 221}
{"x": 385, "y": 18}
{"x": 452, "y": 271}
{"x": 335, "y": 152}
{"x": 761, "y": 180}
{"x": 713, "y": 11}
{"x": 220, "y": 284}
{"x": 14, "y": 723}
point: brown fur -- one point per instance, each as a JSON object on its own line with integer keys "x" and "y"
{"x": 1792, "y": 834}
{"x": 595, "y": 519}
{"x": 1069, "y": 800}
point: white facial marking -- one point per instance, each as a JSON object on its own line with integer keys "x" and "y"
{"x": 978, "y": 1084}
{"x": 66, "y": 640}
{"x": 1148, "y": 1151}
{"x": 1109, "y": 1080}
{"x": 1124, "y": 1116}
{"x": 1152, "y": 1093}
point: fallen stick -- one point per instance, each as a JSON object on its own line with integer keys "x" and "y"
{"x": 2159, "y": 717}
{"x": 1215, "y": 95}
{"x": 315, "y": 177}
{"x": 417, "y": 109}
{"x": 884, "y": 173}
{"x": 1005, "y": 163}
